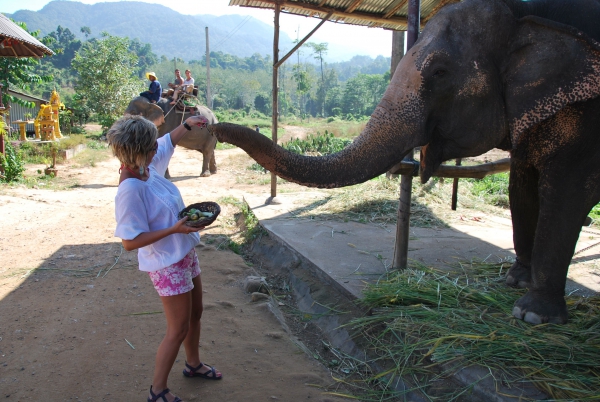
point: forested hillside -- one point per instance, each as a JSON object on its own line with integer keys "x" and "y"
{"x": 98, "y": 76}
{"x": 170, "y": 33}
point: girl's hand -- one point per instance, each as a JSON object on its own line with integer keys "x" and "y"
{"x": 198, "y": 120}
{"x": 181, "y": 227}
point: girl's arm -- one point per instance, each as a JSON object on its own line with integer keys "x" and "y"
{"x": 147, "y": 238}
{"x": 178, "y": 132}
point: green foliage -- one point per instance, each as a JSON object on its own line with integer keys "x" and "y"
{"x": 595, "y": 213}
{"x": 493, "y": 188}
{"x": 65, "y": 44}
{"x": 320, "y": 144}
{"x": 12, "y": 164}
{"x": 106, "y": 80}
{"x": 145, "y": 56}
{"x": 248, "y": 221}
{"x": 362, "y": 94}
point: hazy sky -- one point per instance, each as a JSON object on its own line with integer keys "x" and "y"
{"x": 363, "y": 41}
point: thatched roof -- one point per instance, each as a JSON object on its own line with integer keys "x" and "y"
{"x": 386, "y": 14}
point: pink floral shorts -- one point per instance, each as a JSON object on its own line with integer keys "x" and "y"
{"x": 177, "y": 278}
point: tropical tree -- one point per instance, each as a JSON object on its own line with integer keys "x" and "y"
{"x": 145, "y": 56}
{"x": 303, "y": 84}
{"x": 106, "y": 81}
{"x": 64, "y": 44}
{"x": 86, "y": 31}
{"x": 320, "y": 50}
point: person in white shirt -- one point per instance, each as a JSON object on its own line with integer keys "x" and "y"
{"x": 146, "y": 211}
{"x": 187, "y": 87}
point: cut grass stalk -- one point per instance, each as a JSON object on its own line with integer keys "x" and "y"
{"x": 419, "y": 335}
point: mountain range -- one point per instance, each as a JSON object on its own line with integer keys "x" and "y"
{"x": 170, "y": 33}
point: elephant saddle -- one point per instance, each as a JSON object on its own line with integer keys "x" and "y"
{"x": 180, "y": 107}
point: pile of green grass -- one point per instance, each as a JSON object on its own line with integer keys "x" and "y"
{"x": 428, "y": 324}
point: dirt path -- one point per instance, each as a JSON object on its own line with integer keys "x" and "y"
{"x": 79, "y": 321}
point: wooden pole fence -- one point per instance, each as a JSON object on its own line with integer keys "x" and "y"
{"x": 462, "y": 172}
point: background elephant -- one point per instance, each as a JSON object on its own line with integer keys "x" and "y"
{"x": 199, "y": 138}
{"x": 520, "y": 76}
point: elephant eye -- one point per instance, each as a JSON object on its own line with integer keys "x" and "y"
{"x": 439, "y": 73}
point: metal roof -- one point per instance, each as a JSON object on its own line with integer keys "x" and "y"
{"x": 16, "y": 42}
{"x": 386, "y": 14}
{"x": 26, "y": 97}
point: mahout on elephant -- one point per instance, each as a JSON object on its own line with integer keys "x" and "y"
{"x": 484, "y": 74}
{"x": 167, "y": 117}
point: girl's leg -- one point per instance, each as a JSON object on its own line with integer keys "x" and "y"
{"x": 177, "y": 311}
{"x": 193, "y": 337}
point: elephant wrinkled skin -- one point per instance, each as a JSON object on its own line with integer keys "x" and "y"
{"x": 484, "y": 74}
{"x": 163, "y": 115}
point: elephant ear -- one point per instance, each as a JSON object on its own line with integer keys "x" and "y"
{"x": 550, "y": 66}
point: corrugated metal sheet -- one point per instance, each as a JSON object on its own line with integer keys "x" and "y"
{"x": 18, "y": 112}
{"x": 386, "y": 14}
{"x": 16, "y": 42}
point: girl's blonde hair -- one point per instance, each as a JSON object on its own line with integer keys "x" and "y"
{"x": 131, "y": 139}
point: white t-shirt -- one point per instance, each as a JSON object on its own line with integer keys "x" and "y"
{"x": 188, "y": 85}
{"x": 145, "y": 206}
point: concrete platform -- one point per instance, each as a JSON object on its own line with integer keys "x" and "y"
{"x": 340, "y": 258}
{"x": 352, "y": 254}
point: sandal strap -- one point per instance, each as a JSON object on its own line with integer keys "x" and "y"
{"x": 161, "y": 395}
{"x": 193, "y": 369}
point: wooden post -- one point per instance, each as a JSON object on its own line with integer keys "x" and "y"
{"x": 2, "y": 110}
{"x": 455, "y": 187}
{"x": 275, "y": 96}
{"x": 208, "y": 96}
{"x": 397, "y": 49}
{"x": 403, "y": 222}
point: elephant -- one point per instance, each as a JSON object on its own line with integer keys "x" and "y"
{"x": 167, "y": 118}
{"x": 484, "y": 74}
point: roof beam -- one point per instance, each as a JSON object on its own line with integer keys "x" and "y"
{"x": 284, "y": 58}
{"x": 392, "y": 8}
{"x": 353, "y": 6}
{"x": 338, "y": 14}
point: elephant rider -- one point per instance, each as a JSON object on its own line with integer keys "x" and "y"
{"x": 178, "y": 80}
{"x": 187, "y": 86}
{"x": 154, "y": 92}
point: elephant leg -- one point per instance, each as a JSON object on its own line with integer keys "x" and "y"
{"x": 212, "y": 164}
{"x": 563, "y": 207}
{"x": 524, "y": 208}
{"x": 205, "y": 158}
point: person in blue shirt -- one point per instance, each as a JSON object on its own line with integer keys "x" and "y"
{"x": 153, "y": 93}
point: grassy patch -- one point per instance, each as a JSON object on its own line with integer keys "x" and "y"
{"x": 338, "y": 127}
{"x": 428, "y": 324}
{"x": 492, "y": 189}
{"x": 320, "y": 144}
{"x": 224, "y": 145}
{"x": 376, "y": 201}
{"x": 241, "y": 225}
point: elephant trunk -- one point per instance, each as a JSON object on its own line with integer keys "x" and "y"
{"x": 369, "y": 155}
